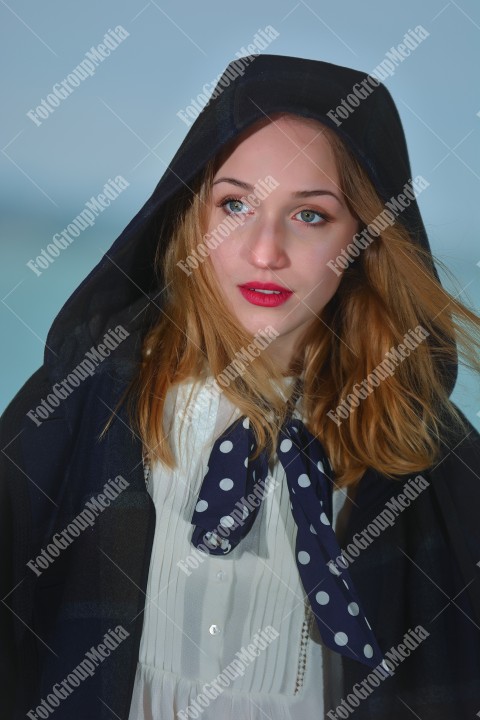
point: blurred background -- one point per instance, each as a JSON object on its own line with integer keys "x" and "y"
{"x": 123, "y": 121}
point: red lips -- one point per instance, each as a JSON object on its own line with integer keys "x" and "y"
{"x": 271, "y": 299}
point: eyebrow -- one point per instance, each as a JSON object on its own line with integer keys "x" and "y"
{"x": 298, "y": 194}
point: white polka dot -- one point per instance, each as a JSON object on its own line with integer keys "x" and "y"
{"x": 246, "y": 423}
{"x": 285, "y": 445}
{"x": 252, "y": 446}
{"x": 368, "y": 624}
{"x": 341, "y": 638}
{"x": 201, "y": 505}
{"x": 353, "y": 608}
{"x": 345, "y": 583}
{"x": 312, "y": 530}
{"x": 368, "y": 651}
{"x": 226, "y": 446}
{"x": 304, "y": 480}
{"x": 245, "y": 512}
{"x": 226, "y": 484}
{"x": 320, "y": 466}
{"x": 324, "y": 519}
{"x": 293, "y": 491}
{"x": 212, "y": 539}
{"x": 303, "y": 557}
{"x": 227, "y": 521}
{"x": 245, "y": 462}
{"x": 322, "y": 598}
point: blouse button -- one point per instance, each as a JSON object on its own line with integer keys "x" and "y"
{"x": 214, "y": 630}
{"x": 221, "y": 575}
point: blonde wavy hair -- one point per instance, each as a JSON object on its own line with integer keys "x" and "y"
{"x": 389, "y": 289}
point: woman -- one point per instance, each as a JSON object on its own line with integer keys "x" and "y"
{"x": 131, "y": 588}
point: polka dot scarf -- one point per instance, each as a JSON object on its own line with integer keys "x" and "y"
{"x": 227, "y": 505}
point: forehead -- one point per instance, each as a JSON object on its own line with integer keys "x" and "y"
{"x": 287, "y": 124}
{"x": 283, "y": 144}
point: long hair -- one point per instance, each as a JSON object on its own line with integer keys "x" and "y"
{"x": 394, "y": 424}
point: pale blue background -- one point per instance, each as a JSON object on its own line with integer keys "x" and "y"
{"x": 123, "y": 121}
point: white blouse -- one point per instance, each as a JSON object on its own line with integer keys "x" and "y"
{"x": 226, "y": 636}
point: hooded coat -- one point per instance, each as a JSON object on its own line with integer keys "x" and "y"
{"x": 85, "y": 600}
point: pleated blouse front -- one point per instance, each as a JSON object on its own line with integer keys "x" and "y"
{"x": 202, "y": 612}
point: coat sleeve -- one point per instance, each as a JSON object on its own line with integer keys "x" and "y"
{"x": 456, "y": 483}
{"x": 16, "y": 645}
{"x": 8, "y": 659}
{"x": 418, "y": 567}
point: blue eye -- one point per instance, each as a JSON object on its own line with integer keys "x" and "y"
{"x": 308, "y": 217}
{"x": 235, "y": 206}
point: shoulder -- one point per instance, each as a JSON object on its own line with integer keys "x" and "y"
{"x": 12, "y": 425}
{"x": 13, "y": 415}
{"x": 47, "y": 417}
{"x": 455, "y": 473}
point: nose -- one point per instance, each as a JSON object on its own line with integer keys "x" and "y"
{"x": 266, "y": 244}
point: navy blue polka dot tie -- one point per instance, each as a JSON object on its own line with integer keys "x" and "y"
{"x": 227, "y": 506}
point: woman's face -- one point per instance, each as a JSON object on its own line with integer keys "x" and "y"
{"x": 285, "y": 238}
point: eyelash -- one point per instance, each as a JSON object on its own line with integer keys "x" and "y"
{"x": 315, "y": 212}
{"x": 227, "y": 200}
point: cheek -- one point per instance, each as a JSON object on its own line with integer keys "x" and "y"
{"x": 326, "y": 285}
{"x": 325, "y": 255}
{"x": 323, "y": 280}
{"x": 218, "y": 261}
{"x": 226, "y": 251}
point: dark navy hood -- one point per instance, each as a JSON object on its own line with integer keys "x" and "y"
{"x": 123, "y": 284}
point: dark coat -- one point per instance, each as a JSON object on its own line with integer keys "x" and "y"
{"x": 421, "y": 571}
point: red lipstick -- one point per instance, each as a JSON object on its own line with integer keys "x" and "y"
{"x": 275, "y": 296}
